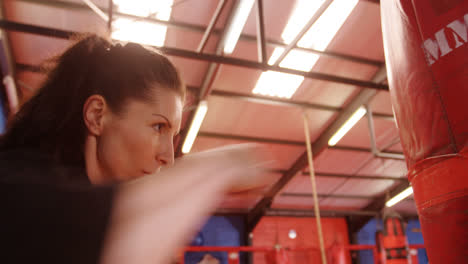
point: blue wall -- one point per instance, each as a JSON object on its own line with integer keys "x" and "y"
{"x": 218, "y": 231}
{"x": 2, "y": 118}
{"x": 414, "y": 235}
{"x": 367, "y": 236}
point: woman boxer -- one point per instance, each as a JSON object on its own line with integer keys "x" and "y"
{"x": 79, "y": 163}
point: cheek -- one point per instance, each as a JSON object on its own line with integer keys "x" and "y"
{"x": 128, "y": 152}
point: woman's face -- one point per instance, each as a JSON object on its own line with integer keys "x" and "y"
{"x": 139, "y": 140}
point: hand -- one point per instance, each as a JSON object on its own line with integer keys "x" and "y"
{"x": 156, "y": 215}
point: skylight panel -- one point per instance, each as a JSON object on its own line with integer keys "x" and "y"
{"x": 318, "y": 37}
{"x": 134, "y": 30}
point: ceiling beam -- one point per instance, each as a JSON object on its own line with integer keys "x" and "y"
{"x": 250, "y": 139}
{"x": 323, "y": 195}
{"x": 323, "y": 213}
{"x": 279, "y": 141}
{"x": 211, "y": 25}
{"x": 282, "y": 102}
{"x": 303, "y": 31}
{"x": 352, "y": 176}
{"x": 202, "y": 29}
{"x": 363, "y": 97}
{"x": 261, "y": 41}
{"x": 110, "y": 15}
{"x": 264, "y": 67}
{"x": 372, "y": 1}
{"x": 278, "y": 101}
{"x": 21, "y": 27}
{"x": 210, "y": 76}
{"x": 346, "y": 176}
{"x": 245, "y": 97}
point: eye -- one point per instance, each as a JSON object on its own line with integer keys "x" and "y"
{"x": 159, "y": 127}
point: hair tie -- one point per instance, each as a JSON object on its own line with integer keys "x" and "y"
{"x": 115, "y": 47}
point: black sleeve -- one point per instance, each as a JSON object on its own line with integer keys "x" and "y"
{"x": 53, "y": 224}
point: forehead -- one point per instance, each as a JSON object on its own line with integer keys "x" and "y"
{"x": 160, "y": 100}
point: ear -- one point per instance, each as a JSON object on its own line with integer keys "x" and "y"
{"x": 95, "y": 110}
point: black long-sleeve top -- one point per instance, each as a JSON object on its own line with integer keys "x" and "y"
{"x": 46, "y": 214}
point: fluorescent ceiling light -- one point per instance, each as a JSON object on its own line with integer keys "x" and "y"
{"x": 134, "y": 30}
{"x": 195, "y": 126}
{"x": 284, "y": 85}
{"x": 277, "y": 84}
{"x": 318, "y": 37}
{"x": 399, "y": 197}
{"x": 325, "y": 28}
{"x": 303, "y": 11}
{"x": 347, "y": 126}
{"x": 296, "y": 59}
{"x": 237, "y": 24}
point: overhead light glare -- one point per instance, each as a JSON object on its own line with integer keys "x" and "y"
{"x": 399, "y": 197}
{"x": 195, "y": 126}
{"x": 303, "y": 11}
{"x": 272, "y": 83}
{"x": 143, "y": 32}
{"x": 347, "y": 126}
{"x": 284, "y": 85}
{"x": 296, "y": 59}
{"x": 318, "y": 37}
{"x": 327, "y": 25}
{"x": 237, "y": 24}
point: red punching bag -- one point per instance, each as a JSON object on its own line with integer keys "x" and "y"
{"x": 426, "y": 51}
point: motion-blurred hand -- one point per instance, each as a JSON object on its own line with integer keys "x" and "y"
{"x": 156, "y": 215}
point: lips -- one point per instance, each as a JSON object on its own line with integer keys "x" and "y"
{"x": 147, "y": 172}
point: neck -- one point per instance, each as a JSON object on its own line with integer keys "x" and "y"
{"x": 93, "y": 169}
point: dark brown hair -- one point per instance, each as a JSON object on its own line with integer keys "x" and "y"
{"x": 52, "y": 120}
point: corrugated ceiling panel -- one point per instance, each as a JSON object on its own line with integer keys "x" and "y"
{"x": 25, "y": 47}
{"x": 381, "y": 103}
{"x": 364, "y": 187}
{"x": 198, "y": 12}
{"x": 61, "y": 18}
{"x": 385, "y": 167}
{"x": 192, "y": 71}
{"x": 302, "y": 184}
{"x": 283, "y": 155}
{"x": 343, "y": 203}
{"x": 276, "y": 15}
{"x": 244, "y": 201}
{"x": 188, "y": 39}
{"x": 406, "y": 206}
{"x": 229, "y": 79}
{"x": 361, "y": 35}
{"x": 28, "y": 82}
{"x": 397, "y": 147}
{"x": 341, "y": 161}
{"x": 292, "y": 202}
{"x": 359, "y": 136}
{"x": 238, "y": 117}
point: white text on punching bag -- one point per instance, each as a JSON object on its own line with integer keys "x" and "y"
{"x": 435, "y": 49}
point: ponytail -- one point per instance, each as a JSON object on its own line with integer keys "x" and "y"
{"x": 52, "y": 122}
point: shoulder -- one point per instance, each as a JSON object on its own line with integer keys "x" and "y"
{"x": 31, "y": 166}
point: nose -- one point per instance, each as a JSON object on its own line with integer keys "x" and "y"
{"x": 165, "y": 154}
